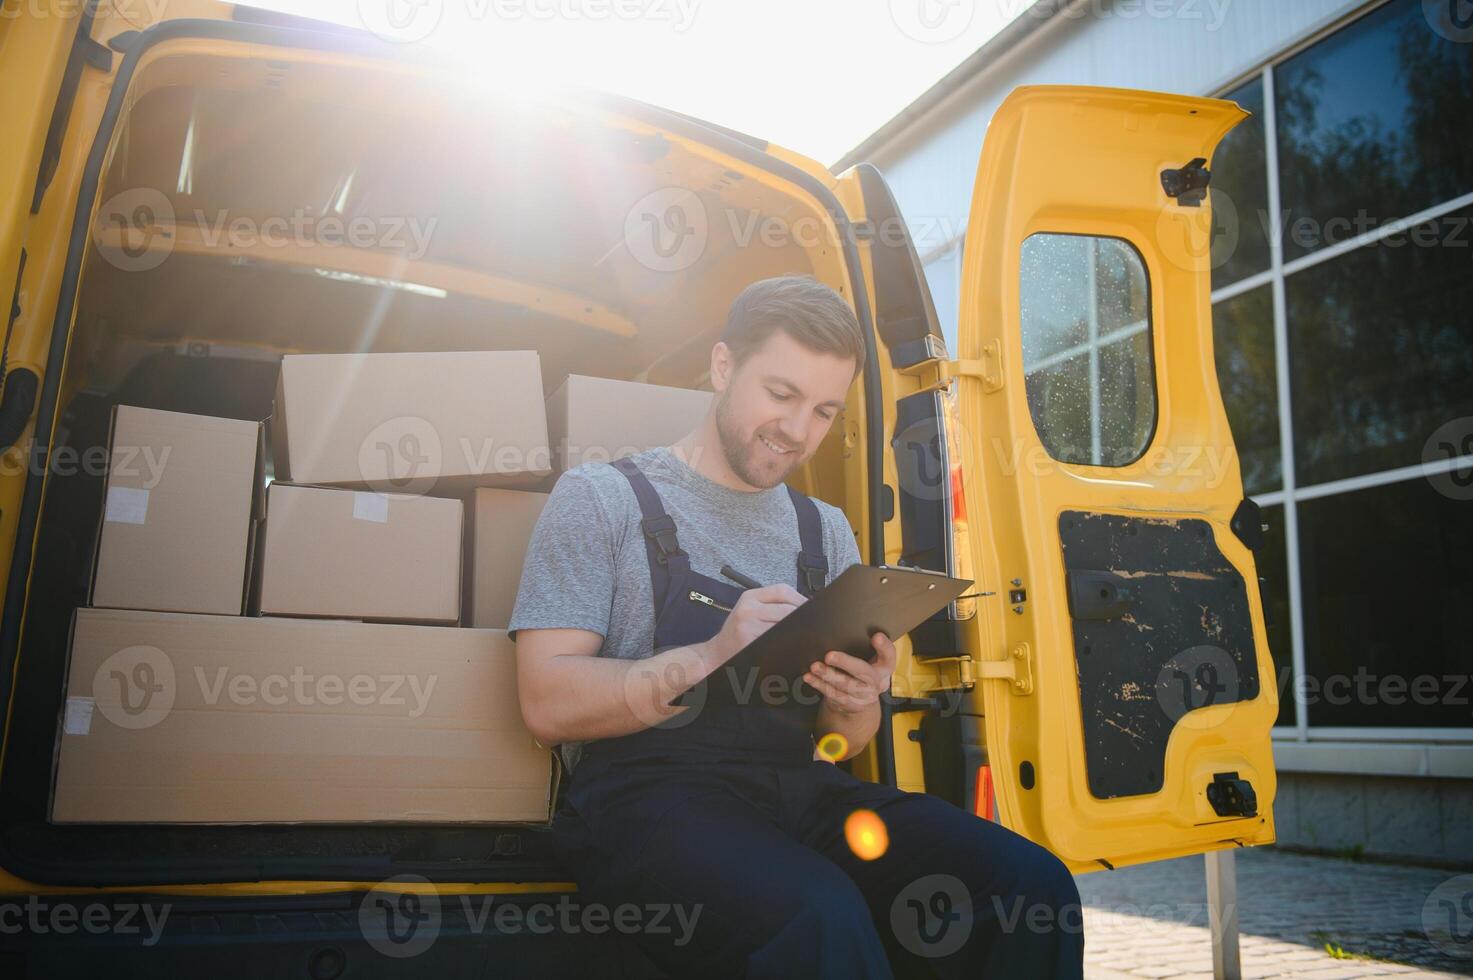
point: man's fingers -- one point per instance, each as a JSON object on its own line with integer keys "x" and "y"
{"x": 853, "y": 686}
{"x": 771, "y": 612}
{"x": 840, "y": 660}
{"x": 884, "y": 650}
{"x": 829, "y": 691}
{"x": 781, "y": 592}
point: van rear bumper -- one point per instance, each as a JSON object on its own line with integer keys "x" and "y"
{"x": 346, "y": 934}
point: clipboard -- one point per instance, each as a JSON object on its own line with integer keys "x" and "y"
{"x": 862, "y": 601}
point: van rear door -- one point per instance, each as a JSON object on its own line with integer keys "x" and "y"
{"x": 1126, "y": 684}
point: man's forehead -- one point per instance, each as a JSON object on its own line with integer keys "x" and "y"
{"x": 782, "y": 359}
{"x": 805, "y": 388}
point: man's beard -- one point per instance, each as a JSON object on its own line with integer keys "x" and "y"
{"x": 741, "y": 454}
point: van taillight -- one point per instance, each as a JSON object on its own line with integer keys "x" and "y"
{"x": 982, "y": 798}
{"x": 958, "y": 494}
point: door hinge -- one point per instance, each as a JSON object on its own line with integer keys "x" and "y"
{"x": 1017, "y": 670}
{"x": 966, "y": 675}
{"x": 987, "y": 368}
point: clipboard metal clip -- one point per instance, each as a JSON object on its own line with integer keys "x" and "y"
{"x": 1017, "y": 669}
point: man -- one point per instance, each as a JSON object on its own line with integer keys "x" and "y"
{"x": 724, "y": 808}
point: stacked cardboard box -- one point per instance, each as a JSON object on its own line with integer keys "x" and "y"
{"x": 438, "y": 423}
{"x": 588, "y": 420}
{"x": 359, "y": 554}
{"x": 175, "y": 718}
{"x": 179, "y": 508}
{"x": 292, "y": 714}
{"x": 595, "y": 420}
{"x": 342, "y": 698}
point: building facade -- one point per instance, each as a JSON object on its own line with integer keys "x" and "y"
{"x": 1343, "y": 328}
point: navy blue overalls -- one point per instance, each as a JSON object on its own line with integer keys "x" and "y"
{"x": 721, "y": 818}
{"x": 722, "y": 729}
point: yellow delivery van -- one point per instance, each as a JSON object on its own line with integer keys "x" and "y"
{"x": 185, "y": 201}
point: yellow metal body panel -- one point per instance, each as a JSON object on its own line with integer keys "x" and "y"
{"x": 1088, "y": 162}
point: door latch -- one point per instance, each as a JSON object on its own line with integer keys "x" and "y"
{"x": 1231, "y": 796}
{"x": 1188, "y": 186}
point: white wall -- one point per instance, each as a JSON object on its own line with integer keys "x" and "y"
{"x": 1193, "y": 47}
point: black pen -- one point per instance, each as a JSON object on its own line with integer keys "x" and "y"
{"x": 739, "y": 578}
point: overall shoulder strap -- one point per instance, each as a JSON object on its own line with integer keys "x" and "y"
{"x": 660, "y": 541}
{"x": 813, "y": 565}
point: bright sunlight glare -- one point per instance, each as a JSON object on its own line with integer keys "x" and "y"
{"x": 816, "y": 76}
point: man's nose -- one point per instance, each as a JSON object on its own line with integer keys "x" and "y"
{"x": 794, "y": 428}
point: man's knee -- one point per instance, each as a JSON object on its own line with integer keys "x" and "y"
{"x": 1053, "y": 885}
{"x": 1053, "y": 879}
{"x": 1023, "y": 881}
{"x": 830, "y": 899}
{"x": 827, "y": 930}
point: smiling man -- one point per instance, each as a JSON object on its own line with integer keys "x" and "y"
{"x": 725, "y": 808}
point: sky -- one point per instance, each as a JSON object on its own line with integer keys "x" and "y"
{"x": 816, "y": 76}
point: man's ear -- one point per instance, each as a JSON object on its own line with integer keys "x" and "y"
{"x": 723, "y": 363}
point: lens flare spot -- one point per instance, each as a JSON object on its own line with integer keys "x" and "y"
{"x": 867, "y": 835}
{"x": 833, "y": 746}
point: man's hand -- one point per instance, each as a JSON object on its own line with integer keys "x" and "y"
{"x": 755, "y": 612}
{"x": 850, "y": 685}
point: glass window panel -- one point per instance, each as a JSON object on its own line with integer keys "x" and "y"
{"x": 1381, "y": 350}
{"x": 1372, "y": 126}
{"x": 1087, "y": 348}
{"x": 1127, "y": 410}
{"x": 1239, "y": 191}
{"x": 1273, "y": 572}
{"x": 945, "y": 283}
{"x": 1056, "y": 296}
{"x": 1058, "y": 400}
{"x": 1243, "y": 343}
{"x": 1385, "y": 586}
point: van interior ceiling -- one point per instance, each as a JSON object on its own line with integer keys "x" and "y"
{"x": 495, "y": 224}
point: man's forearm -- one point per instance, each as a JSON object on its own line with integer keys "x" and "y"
{"x": 585, "y": 698}
{"x": 856, "y": 727}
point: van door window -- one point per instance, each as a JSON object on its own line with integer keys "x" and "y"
{"x": 1086, "y": 327}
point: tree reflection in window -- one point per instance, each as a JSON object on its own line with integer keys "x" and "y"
{"x": 1372, "y": 126}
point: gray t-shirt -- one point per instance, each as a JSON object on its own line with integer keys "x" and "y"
{"x": 587, "y": 567}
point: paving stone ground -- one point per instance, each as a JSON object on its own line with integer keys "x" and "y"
{"x": 1151, "y": 920}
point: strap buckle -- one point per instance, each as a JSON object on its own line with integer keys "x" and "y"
{"x": 662, "y": 530}
{"x": 813, "y": 571}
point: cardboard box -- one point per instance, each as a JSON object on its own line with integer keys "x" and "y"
{"x": 179, "y": 507}
{"x": 599, "y": 419}
{"x": 501, "y": 524}
{"x": 357, "y": 554}
{"x": 411, "y": 423}
{"x": 262, "y": 720}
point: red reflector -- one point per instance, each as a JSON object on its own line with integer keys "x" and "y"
{"x": 982, "y": 800}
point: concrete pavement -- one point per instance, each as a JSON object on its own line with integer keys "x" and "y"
{"x": 1301, "y": 916}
